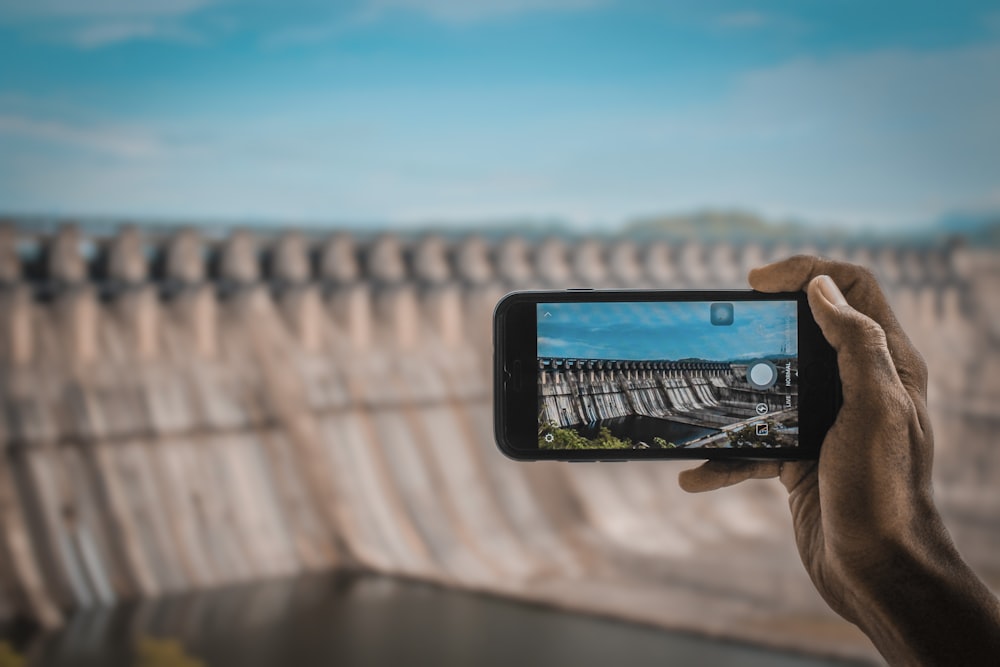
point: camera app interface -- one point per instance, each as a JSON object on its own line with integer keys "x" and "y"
{"x": 667, "y": 375}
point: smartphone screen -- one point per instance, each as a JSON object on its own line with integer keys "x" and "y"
{"x": 712, "y": 375}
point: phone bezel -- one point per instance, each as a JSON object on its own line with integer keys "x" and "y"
{"x": 515, "y": 409}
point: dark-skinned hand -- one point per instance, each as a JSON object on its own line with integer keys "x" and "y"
{"x": 864, "y": 517}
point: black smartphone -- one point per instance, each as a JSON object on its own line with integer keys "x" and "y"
{"x": 616, "y": 375}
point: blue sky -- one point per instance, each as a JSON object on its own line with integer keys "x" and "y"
{"x": 411, "y": 111}
{"x": 665, "y": 331}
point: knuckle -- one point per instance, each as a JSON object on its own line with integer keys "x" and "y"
{"x": 898, "y": 403}
{"x": 798, "y": 265}
{"x": 866, "y": 328}
{"x": 865, "y": 272}
{"x": 846, "y": 274}
{"x": 861, "y": 285}
{"x": 865, "y": 277}
{"x": 920, "y": 365}
{"x": 800, "y": 258}
{"x": 863, "y": 335}
{"x": 807, "y": 264}
{"x": 914, "y": 372}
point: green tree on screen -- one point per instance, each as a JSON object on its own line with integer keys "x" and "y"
{"x": 551, "y": 436}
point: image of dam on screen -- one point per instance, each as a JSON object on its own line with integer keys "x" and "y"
{"x": 646, "y": 375}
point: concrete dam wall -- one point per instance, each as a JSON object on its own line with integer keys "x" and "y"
{"x": 180, "y": 412}
{"x": 581, "y": 391}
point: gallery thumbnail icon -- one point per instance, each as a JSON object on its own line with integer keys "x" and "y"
{"x": 721, "y": 314}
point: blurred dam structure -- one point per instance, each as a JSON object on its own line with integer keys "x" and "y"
{"x": 180, "y": 412}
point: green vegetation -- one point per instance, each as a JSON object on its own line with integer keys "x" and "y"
{"x": 163, "y": 653}
{"x": 149, "y": 652}
{"x": 567, "y": 438}
{"x": 9, "y": 657}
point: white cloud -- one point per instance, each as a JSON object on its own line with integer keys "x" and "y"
{"x": 115, "y": 141}
{"x": 98, "y": 23}
{"x": 748, "y": 19}
{"x": 879, "y": 137}
{"x": 992, "y": 23}
{"x": 474, "y": 11}
{"x": 101, "y": 23}
{"x": 755, "y": 21}
{"x": 96, "y": 35}
{"x": 103, "y": 34}
{"x": 303, "y": 31}
{"x": 97, "y": 9}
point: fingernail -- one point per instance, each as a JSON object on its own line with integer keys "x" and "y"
{"x": 830, "y": 290}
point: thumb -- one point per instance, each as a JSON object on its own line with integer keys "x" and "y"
{"x": 862, "y": 352}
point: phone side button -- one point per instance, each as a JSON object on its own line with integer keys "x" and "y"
{"x": 580, "y": 289}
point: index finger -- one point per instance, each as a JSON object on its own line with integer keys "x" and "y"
{"x": 861, "y": 289}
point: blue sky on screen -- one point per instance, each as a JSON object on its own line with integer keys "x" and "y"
{"x": 589, "y": 111}
{"x": 665, "y": 331}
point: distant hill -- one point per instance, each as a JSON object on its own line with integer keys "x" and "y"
{"x": 989, "y": 235}
{"x": 718, "y": 225}
{"x": 977, "y": 230}
{"x": 734, "y": 226}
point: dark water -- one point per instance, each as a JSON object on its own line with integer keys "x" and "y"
{"x": 368, "y": 620}
{"x": 640, "y": 428}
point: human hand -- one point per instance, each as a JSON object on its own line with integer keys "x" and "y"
{"x": 872, "y": 483}
{"x": 865, "y": 522}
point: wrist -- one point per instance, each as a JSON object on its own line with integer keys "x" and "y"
{"x": 918, "y": 598}
{"x": 869, "y": 546}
